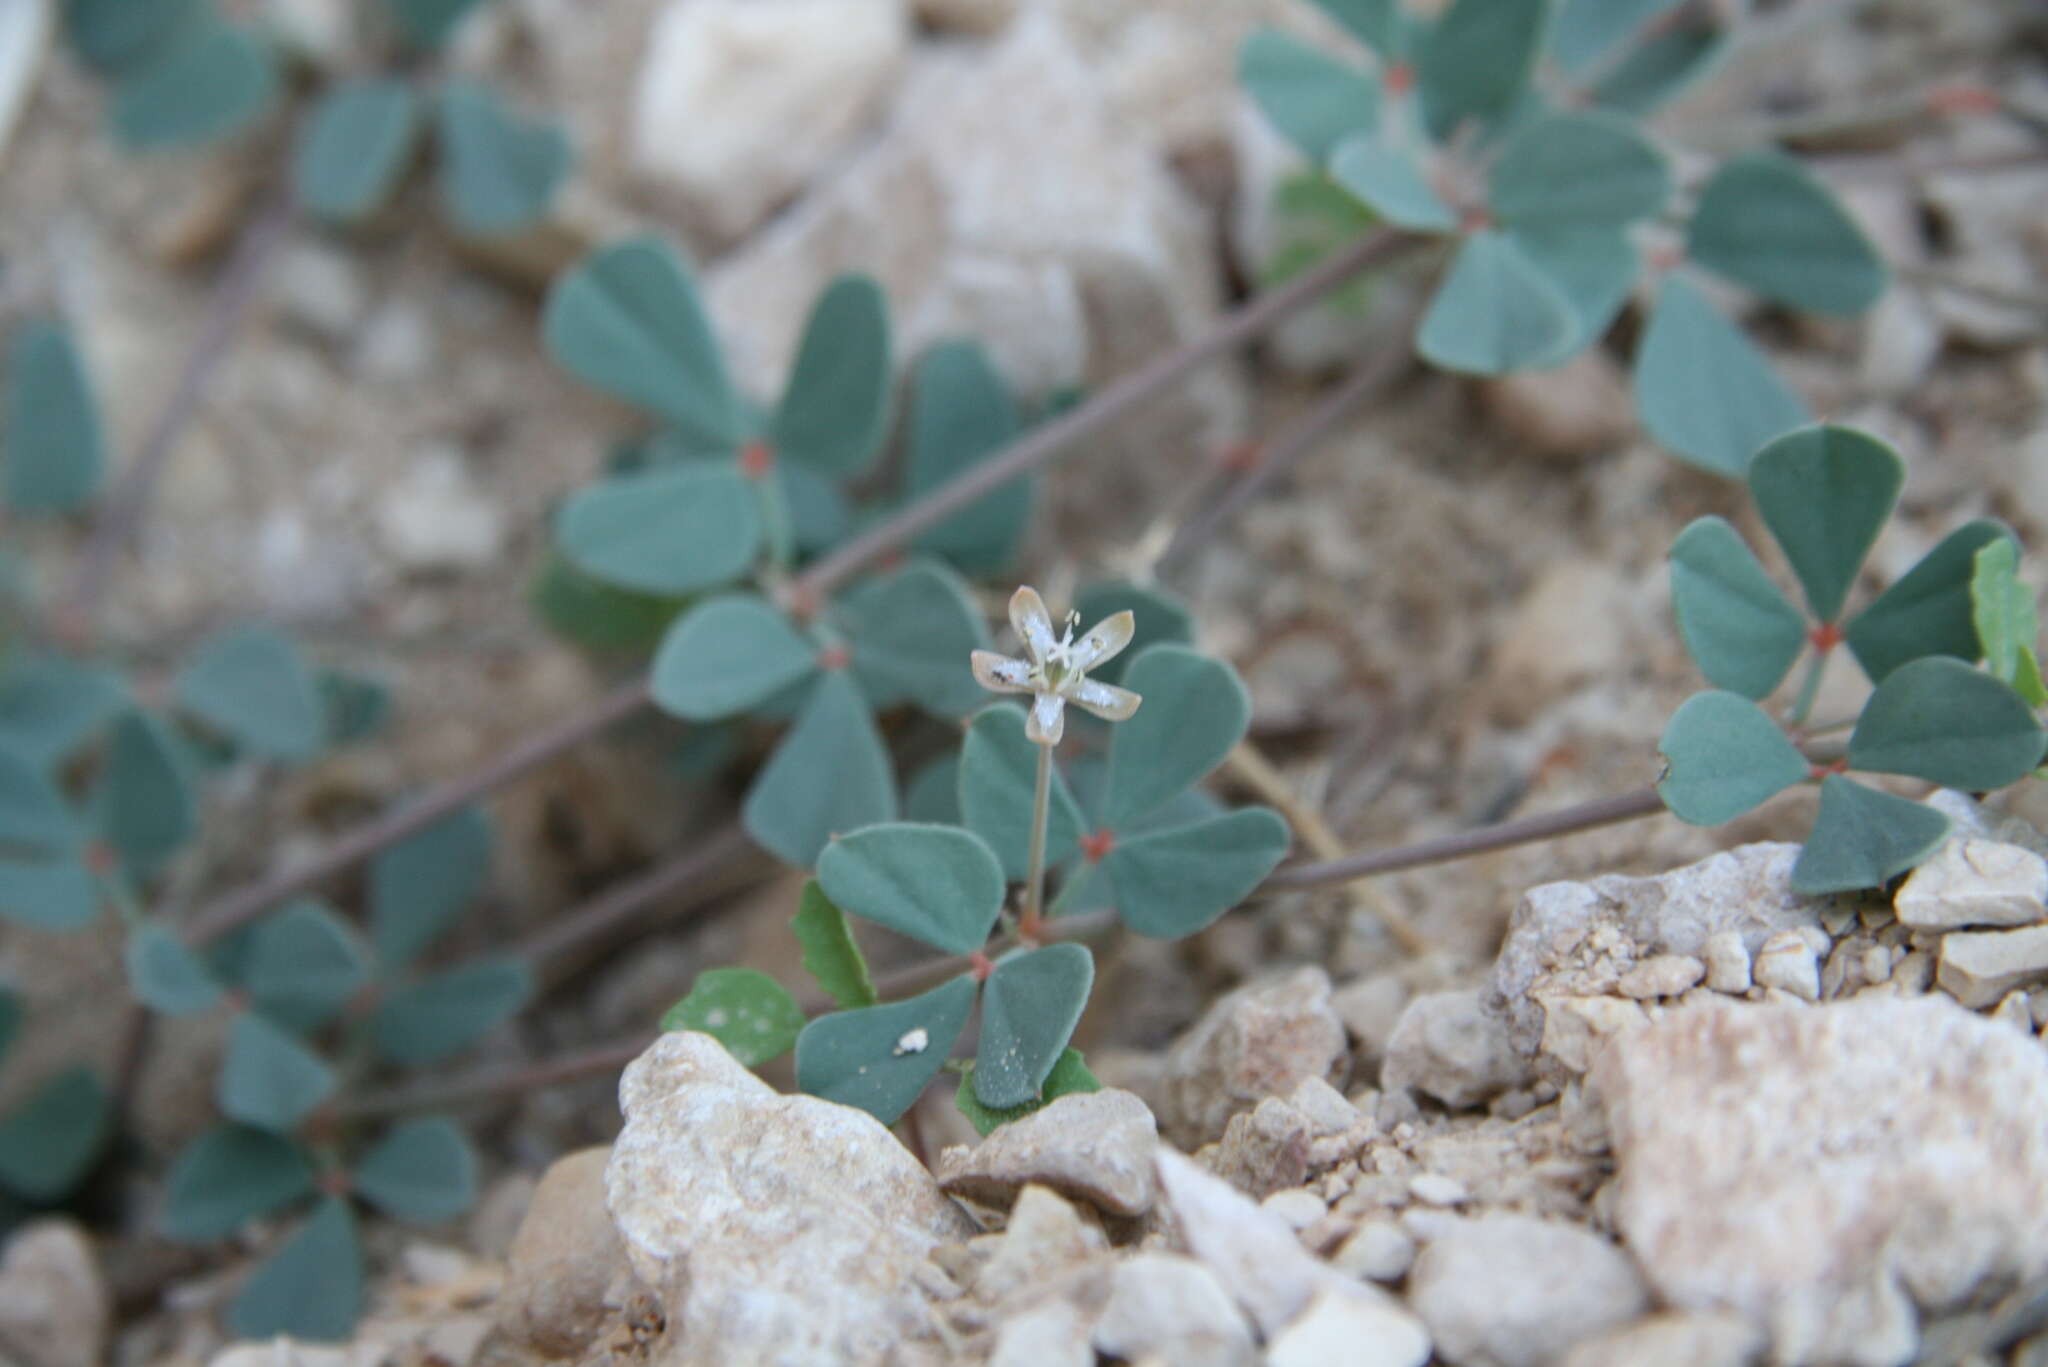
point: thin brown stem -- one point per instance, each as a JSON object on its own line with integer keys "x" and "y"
{"x": 621, "y": 902}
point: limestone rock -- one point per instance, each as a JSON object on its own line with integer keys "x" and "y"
{"x": 1093, "y": 1146}
{"x": 1727, "y": 962}
{"x": 1974, "y": 883}
{"x": 567, "y": 1273}
{"x": 1662, "y": 975}
{"x": 1515, "y": 1291}
{"x": 1451, "y": 1048}
{"x": 1978, "y": 967}
{"x": 54, "y": 1307}
{"x": 436, "y": 516}
{"x": 1787, "y": 962}
{"x": 1370, "y": 1008}
{"x": 1258, "y": 1041}
{"x": 1378, "y": 1250}
{"x": 1576, "y": 939}
{"x": 773, "y": 1228}
{"x": 1356, "y": 1331}
{"x": 1581, "y": 408}
{"x": 1173, "y": 1307}
{"x": 1574, "y": 1028}
{"x": 740, "y": 103}
{"x": 1824, "y": 1170}
{"x": 1055, "y": 1334}
{"x": 1672, "y": 1339}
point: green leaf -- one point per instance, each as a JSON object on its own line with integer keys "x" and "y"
{"x": 2027, "y": 681}
{"x": 727, "y": 654}
{"x": 353, "y": 707}
{"x": 939, "y": 885}
{"x": 304, "y": 963}
{"x": 429, "y": 1020}
{"x": 419, "y": 886}
{"x": 53, "y": 441}
{"x": 50, "y": 1142}
{"x": 1937, "y": 718}
{"x": 1157, "y": 618}
{"x": 1581, "y": 169}
{"x": 269, "y": 1078}
{"x": 960, "y": 414}
{"x": 229, "y": 1176}
{"x": 210, "y": 82}
{"x": 1314, "y": 100}
{"x": 880, "y": 1058}
{"x": 32, "y": 812}
{"x": 51, "y": 706}
{"x": 1739, "y": 629}
{"x": 312, "y": 1287}
{"x": 1390, "y": 180}
{"x": 1862, "y": 838}
{"x": 835, "y": 412}
{"x": 933, "y": 792}
{"x": 748, "y": 1012}
{"x": 676, "y": 530}
{"x": 1584, "y": 31}
{"x": 427, "y": 23}
{"x": 1381, "y": 25}
{"x": 250, "y": 685}
{"x": 627, "y": 319}
{"x": 48, "y": 895}
{"x": 911, "y": 634}
{"x": 1030, "y": 1006}
{"x": 596, "y": 616}
{"x": 820, "y": 516}
{"x": 1927, "y": 611}
{"x": 1474, "y": 62}
{"x": 1763, "y": 221}
{"x": 146, "y": 807}
{"x": 10, "y": 1020}
{"x": 113, "y": 36}
{"x": 421, "y": 1170}
{"x": 354, "y": 147}
{"x": 499, "y": 168}
{"x": 1195, "y": 711}
{"x": 166, "y": 976}
{"x": 1068, "y": 1076}
{"x": 1660, "y": 68}
{"x": 1825, "y": 492}
{"x": 1174, "y": 882}
{"x": 1722, "y": 757}
{"x": 830, "y": 774}
{"x": 1703, "y": 388}
{"x": 999, "y": 780}
{"x": 830, "y": 954}
{"x": 2001, "y": 607}
{"x": 1594, "y": 268}
{"x": 1495, "y": 311}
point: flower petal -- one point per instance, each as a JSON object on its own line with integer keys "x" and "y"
{"x": 1048, "y": 719}
{"x": 1000, "y": 673}
{"x": 1106, "y": 701}
{"x": 1032, "y": 621}
{"x": 1110, "y": 635}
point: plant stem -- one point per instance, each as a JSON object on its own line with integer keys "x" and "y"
{"x": 620, "y": 902}
{"x": 1033, "y": 921}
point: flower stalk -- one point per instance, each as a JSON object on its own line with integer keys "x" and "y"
{"x": 1033, "y": 920}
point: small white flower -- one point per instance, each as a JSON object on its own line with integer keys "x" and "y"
{"x": 1057, "y": 671}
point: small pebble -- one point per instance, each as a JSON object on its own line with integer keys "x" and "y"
{"x": 1435, "y": 1189}
{"x": 1378, "y": 1250}
{"x": 1787, "y": 962}
{"x": 1661, "y": 975}
{"x": 1297, "y": 1207}
{"x": 1727, "y": 962}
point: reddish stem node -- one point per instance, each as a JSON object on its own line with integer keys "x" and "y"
{"x": 1399, "y": 79}
{"x": 1095, "y": 848}
{"x": 1242, "y": 457}
{"x": 1667, "y": 258}
{"x": 1825, "y": 637}
{"x": 980, "y": 965}
{"x": 1963, "y": 99}
{"x": 757, "y": 461}
{"x": 334, "y": 1182}
{"x": 832, "y": 658}
{"x": 1817, "y": 772}
{"x": 1475, "y": 220}
{"x": 100, "y": 858}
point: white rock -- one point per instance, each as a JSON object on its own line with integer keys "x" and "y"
{"x": 1370, "y": 1008}
{"x": 1259, "y": 1041}
{"x": 1663, "y": 975}
{"x": 1787, "y": 962}
{"x": 24, "y": 41}
{"x": 1515, "y": 1291}
{"x": 1351, "y": 1331}
{"x": 1727, "y": 962}
{"x": 774, "y": 1228}
{"x": 1055, "y": 1334}
{"x": 1438, "y": 1189}
{"x": 1093, "y": 1146}
{"x": 1979, "y": 966}
{"x": 1296, "y": 1207}
{"x": 1044, "y": 1239}
{"x": 1450, "y": 1047}
{"x": 567, "y": 1272}
{"x": 320, "y": 288}
{"x": 54, "y": 1306}
{"x": 1254, "y": 1252}
{"x": 1574, "y": 1028}
{"x": 435, "y": 517}
{"x": 397, "y": 344}
{"x": 1165, "y": 1304}
{"x": 1822, "y": 1170}
{"x": 1902, "y": 338}
{"x": 740, "y": 103}
{"x": 1378, "y": 1250}
{"x": 1672, "y": 1339}
{"x": 1974, "y": 882}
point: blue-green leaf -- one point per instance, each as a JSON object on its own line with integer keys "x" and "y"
{"x": 627, "y": 319}
{"x": 500, "y": 168}
{"x": 2001, "y": 608}
{"x": 421, "y": 1170}
{"x": 147, "y": 809}
{"x": 676, "y": 530}
{"x": 1381, "y": 25}
{"x": 53, "y": 442}
{"x": 1496, "y": 311}
{"x": 1722, "y": 757}
{"x": 835, "y": 412}
{"x": 1740, "y": 630}
{"x": 932, "y": 794}
{"x": 960, "y": 414}
{"x": 250, "y": 685}
{"x": 1157, "y": 618}
{"x": 166, "y": 976}
{"x": 427, "y": 23}
{"x": 1937, "y": 718}
{"x": 830, "y": 954}
{"x": 1195, "y": 711}
{"x": 1583, "y": 31}
{"x": 33, "y": 814}
{"x": 727, "y": 654}
{"x": 429, "y": 1020}
{"x": 830, "y": 774}
{"x": 1703, "y": 388}
{"x": 1579, "y": 169}
{"x": 229, "y": 1176}
{"x": 939, "y": 885}
{"x": 355, "y": 146}
{"x": 1659, "y": 68}
{"x": 210, "y": 82}
{"x": 1030, "y": 1006}
{"x": 1389, "y": 179}
{"x": 312, "y": 1287}
{"x": 51, "y": 706}
{"x": 116, "y": 35}
{"x": 1069, "y": 1075}
{"x": 1315, "y": 100}
{"x": 1825, "y": 492}
{"x": 1927, "y": 611}
{"x": 49, "y": 1142}
{"x": 420, "y": 885}
{"x": 269, "y": 1078}
{"x": 55, "y": 894}
{"x": 745, "y": 1010}
{"x": 303, "y": 965}
{"x": 353, "y": 707}
{"x": 1765, "y": 222}
{"x": 1174, "y": 882}
{"x": 1474, "y": 62}
{"x": 998, "y": 780}
{"x": 1594, "y": 268}
{"x": 1862, "y": 838}
{"x": 881, "y": 1057}
{"x": 911, "y": 634}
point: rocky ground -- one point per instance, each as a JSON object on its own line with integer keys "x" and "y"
{"x": 1667, "y": 1114}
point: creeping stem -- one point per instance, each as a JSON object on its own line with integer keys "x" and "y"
{"x": 1034, "y": 887}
